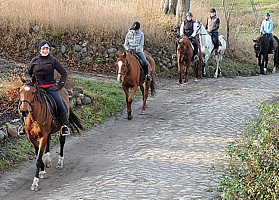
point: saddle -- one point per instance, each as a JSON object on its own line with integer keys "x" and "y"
{"x": 139, "y": 59}
{"x": 51, "y": 104}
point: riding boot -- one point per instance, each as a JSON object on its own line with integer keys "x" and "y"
{"x": 147, "y": 76}
{"x": 65, "y": 124}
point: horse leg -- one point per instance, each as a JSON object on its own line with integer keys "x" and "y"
{"x": 47, "y": 159}
{"x": 205, "y": 63}
{"x": 130, "y": 100}
{"x": 60, "y": 163}
{"x": 186, "y": 71}
{"x": 266, "y": 62}
{"x": 197, "y": 66}
{"x": 179, "y": 71}
{"x": 217, "y": 66}
{"x": 260, "y": 64}
{"x": 143, "y": 99}
{"x": 40, "y": 171}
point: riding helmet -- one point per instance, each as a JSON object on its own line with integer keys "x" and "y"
{"x": 135, "y": 26}
{"x": 43, "y": 44}
{"x": 189, "y": 14}
{"x": 267, "y": 14}
{"x": 212, "y": 10}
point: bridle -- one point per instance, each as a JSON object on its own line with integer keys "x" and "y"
{"x": 31, "y": 103}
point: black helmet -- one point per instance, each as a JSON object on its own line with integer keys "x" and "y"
{"x": 267, "y": 14}
{"x": 189, "y": 14}
{"x": 212, "y": 10}
{"x": 135, "y": 26}
{"x": 44, "y": 43}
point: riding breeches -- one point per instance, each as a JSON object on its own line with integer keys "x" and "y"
{"x": 215, "y": 39}
{"x": 59, "y": 102}
{"x": 144, "y": 60}
{"x": 195, "y": 44}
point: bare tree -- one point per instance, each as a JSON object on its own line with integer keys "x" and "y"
{"x": 183, "y": 6}
{"x": 168, "y": 6}
{"x": 228, "y": 6}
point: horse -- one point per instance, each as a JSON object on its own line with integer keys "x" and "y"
{"x": 207, "y": 47}
{"x": 131, "y": 75}
{"x": 185, "y": 55}
{"x": 40, "y": 122}
{"x": 262, "y": 49}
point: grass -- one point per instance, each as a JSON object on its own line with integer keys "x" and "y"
{"x": 107, "y": 100}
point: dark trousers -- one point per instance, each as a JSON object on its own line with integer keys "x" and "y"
{"x": 195, "y": 44}
{"x": 59, "y": 102}
{"x": 215, "y": 39}
{"x": 270, "y": 39}
{"x": 145, "y": 63}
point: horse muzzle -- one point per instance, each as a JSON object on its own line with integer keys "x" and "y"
{"x": 24, "y": 113}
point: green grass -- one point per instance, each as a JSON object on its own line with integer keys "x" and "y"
{"x": 107, "y": 100}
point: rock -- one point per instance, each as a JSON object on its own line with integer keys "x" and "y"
{"x": 86, "y": 100}
{"x": 63, "y": 49}
{"x": 77, "y": 48}
{"x": 11, "y": 130}
{"x": 2, "y": 135}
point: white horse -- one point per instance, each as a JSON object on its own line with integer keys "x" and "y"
{"x": 207, "y": 46}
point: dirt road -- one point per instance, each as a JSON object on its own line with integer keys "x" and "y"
{"x": 165, "y": 154}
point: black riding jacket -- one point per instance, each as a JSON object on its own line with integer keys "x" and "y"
{"x": 42, "y": 68}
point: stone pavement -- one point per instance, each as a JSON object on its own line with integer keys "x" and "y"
{"x": 169, "y": 152}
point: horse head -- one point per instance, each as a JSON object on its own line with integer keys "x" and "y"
{"x": 121, "y": 66}
{"x": 27, "y": 96}
{"x": 183, "y": 47}
{"x": 197, "y": 28}
{"x": 257, "y": 47}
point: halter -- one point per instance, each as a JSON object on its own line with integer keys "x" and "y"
{"x": 31, "y": 104}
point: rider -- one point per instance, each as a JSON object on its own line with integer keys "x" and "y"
{"x": 41, "y": 69}
{"x": 212, "y": 26}
{"x": 267, "y": 28}
{"x": 134, "y": 41}
{"x": 186, "y": 28}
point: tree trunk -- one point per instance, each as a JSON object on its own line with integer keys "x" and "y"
{"x": 165, "y": 6}
{"x": 183, "y": 6}
{"x": 172, "y": 5}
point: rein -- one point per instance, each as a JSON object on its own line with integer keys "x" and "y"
{"x": 31, "y": 104}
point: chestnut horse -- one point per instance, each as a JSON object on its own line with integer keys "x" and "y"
{"x": 40, "y": 123}
{"x": 185, "y": 55}
{"x": 131, "y": 75}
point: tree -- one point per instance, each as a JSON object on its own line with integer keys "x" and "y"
{"x": 228, "y": 6}
{"x": 179, "y": 8}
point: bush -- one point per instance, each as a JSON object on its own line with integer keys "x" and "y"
{"x": 253, "y": 169}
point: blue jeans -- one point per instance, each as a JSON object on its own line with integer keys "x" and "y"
{"x": 195, "y": 44}
{"x": 59, "y": 102}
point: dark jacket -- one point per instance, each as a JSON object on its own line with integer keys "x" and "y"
{"x": 43, "y": 67}
{"x": 187, "y": 28}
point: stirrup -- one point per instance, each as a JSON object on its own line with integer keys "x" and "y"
{"x": 148, "y": 78}
{"x": 61, "y": 130}
{"x": 20, "y": 131}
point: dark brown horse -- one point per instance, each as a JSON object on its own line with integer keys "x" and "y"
{"x": 262, "y": 49}
{"x": 131, "y": 75}
{"x": 185, "y": 55}
{"x": 40, "y": 123}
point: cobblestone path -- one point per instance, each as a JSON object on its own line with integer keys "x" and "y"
{"x": 168, "y": 153}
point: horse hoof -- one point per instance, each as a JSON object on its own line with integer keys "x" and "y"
{"x": 130, "y": 117}
{"x": 42, "y": 174}
{"x": 196, "y": 80}
{"x": 35, "y": 184}
{"x": 59, "y": 166}
{"x": 141, "y": 112}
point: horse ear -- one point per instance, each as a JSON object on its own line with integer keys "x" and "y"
{"x": 124, "y": 54}
{"x": 117, "y": 55}
{"x": 22, "y": 79}
{"x": 254, "y": 40}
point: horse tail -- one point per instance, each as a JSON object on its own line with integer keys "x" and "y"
{"x": 75, "y": 122}
{"x": 152, "y": 65}
{"x": 276, "y": 55}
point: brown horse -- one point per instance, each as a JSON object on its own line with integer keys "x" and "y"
{"x": 131, "y": 75}
{"x": 185, "y": 55}
{"x": 40, "y": 123}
